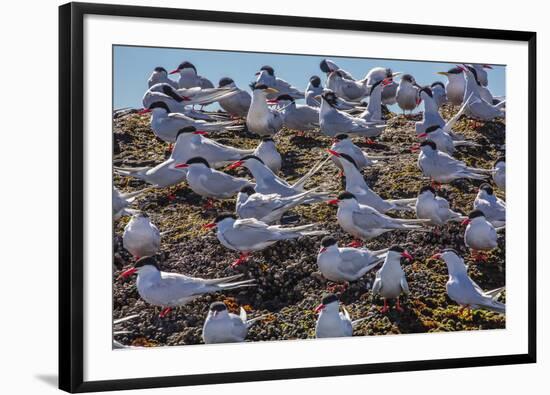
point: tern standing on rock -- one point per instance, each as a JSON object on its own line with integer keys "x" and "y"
{"x": 331, "y": 322}
{"x": 407, "y": 93}
{"x": 346, "y": 264}
{"x": 443, "y": 168}
{"x": 365, "y": 223}
{"x": 435, "y": 208}
{"x": 463, "y": 290}
{"x": 480, "y": 235}
{"x": 221, "y": 326}
{"x": 493, "y": 207}
{"x": 390, "y": 280}
{"x": 247, "y": 235}
{"x": 189, "y": 77}
{"x": 171, "y": 290}
{"x": 261, "y": 119}
{"x": 141, "y": 237}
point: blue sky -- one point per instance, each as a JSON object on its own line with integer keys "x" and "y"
{"x": 133, "y": 66}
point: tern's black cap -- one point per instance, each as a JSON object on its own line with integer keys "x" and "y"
{"x": 426, "y": 188}
{"x": 396, "y": 248}
{"x": 223, "y": 216}
{"x": 198, "y": 159}
{"x": 430, "y": 143}
{"x": 254, "y": 86}
{"x": 455, "y": 70}
{"x": 147, "y": 260}
{"x": 225, "y": 81}
{"x": 330, "y": 97}
{"x": 427, "y": 90}
{"x": 487, "y": 188}
{"x": 249, "y": 190}
{"x": 341, "y": 136}
{"x": 475, "y": 214}
{"x": 346, "y": 195}
{"x": 438, "y": 83}
{"x": 253, "y": 157}
{"x": 324, "y": 66}
{"x": 159, "y": 104}
{"x": 285, "y": 98}
{"x": 269, "y": 69}
{"x": 329, "y": 298}
{"x": 187, "y": 129}
{"x": 218, "y": 306}
{"x": 328, "y": 241}
{"x": 187, "y": 65}
{"x": 407, "y": 77}
{"x": 315, "y": 81}
{"x": 432, "y": 128}
{"x": 158, "y": 69}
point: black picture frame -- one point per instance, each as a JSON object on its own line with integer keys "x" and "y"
{"x": 71, "y": 225}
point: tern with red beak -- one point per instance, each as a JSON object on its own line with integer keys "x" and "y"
{"x": 389, "y": 90}
{"x": 210, "y": 183}
{"x": 463, "y": 290}
{"x": 334, "y": 121}
{"x": 443, "y": 168}
{"x": 444, "y": 141}
{"x": 342, "y": 144}
{"x": 356, "y": 184}
{"x": 121, "y": 201}
{"x": 166, "y": 125}
{"x": 331, "y": 322}
{"x": 499, "y": 176}
{"x": 366, "y": 223}
{"x": 160, "y": 76}
{"x": 390, "y": 280}
{"x": 171, "y": 290}
{"x": 141, "y": 237}
{"x": 262, "y": 119}
{"x": 493, "y": 207}
{"x": 480, "y": 235}
{"x": 238, "y": 104}
{"x": 189, "y": 78}
{"x": 267, "y": 208}
{"x": 266, "y": 76}
{"x": 435, "y": 208}
{"x": 221, "y": 326}
{"x": 343, "y": 264}
{"x": 248, "y": 235}
{"x": 267, "y": 182}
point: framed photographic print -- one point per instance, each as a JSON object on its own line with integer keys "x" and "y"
{"x": 237, "y": 188}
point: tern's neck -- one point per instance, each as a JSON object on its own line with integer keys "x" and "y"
{"x": 354, "y": 178}
{"x": 375, "y": 103}
{"x": 259, "y": 171}
{"x": 429, "y": 105}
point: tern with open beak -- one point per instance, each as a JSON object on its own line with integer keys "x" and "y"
{"x": 331, "y": 322}
{"x": 169, "y": 290}
{"x": 463, "y": 290}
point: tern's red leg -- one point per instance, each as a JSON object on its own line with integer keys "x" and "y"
{"x": 300, "y": 133}
{"x": 398, "y": 306}
{"x": 369, "y": 141}
{"x": 170, "y": 148}
{"x": 386, "y": 308}
{"x": 165, "y": 312}
{"x": 436, "y": 185}
{"x": 355, "y": 244}
{"x": 242, "y": 259}
{"x": 209, "y": 204}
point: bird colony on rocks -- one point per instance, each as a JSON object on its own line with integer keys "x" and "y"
{"x": 289, "y": 214}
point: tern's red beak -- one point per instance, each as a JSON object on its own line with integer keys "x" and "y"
{"x": 422, "y": 135}
{"x": 175, "y": 71}
{"x": 127, "y": 273}
{"x": 143, "y": 111}
{"x": 386, "y": 81}
{"x": 185, "y": 98}
{"x": 272, "y": 101}
{"x": 466, "y": 221}
{"x": 201, "y": 132}
{"x": 418, "y": 101}
{"x": 323, "y": 249}
{"x": 405, "y": 254}
{"x": 333, "y": 201}
{"x": 181, "y": 166}
{"x": 332, "y": 152}
{"x": 235, "y": 165}
{"x": 319, "y": 308}
{"x": 415, "y": 147}
{"x": 209, "y": 226}
{"x": 436, "y": 256}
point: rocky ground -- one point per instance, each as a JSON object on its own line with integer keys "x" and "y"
{"x": 289, "y": 283}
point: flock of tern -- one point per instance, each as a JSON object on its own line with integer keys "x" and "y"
{"x": 343, "y": 109}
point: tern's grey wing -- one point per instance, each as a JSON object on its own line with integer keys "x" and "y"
{"x": 404, "y": 285}
{"x": 354, "y": 262}
{"x": 222, "y": 184}
{"x": 371, "y": 219}
{"x": 377, "y": 285}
